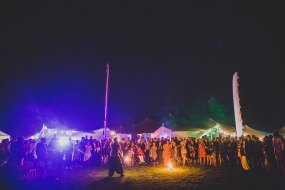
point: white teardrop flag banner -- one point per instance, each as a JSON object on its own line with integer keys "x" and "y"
{"x": 238, "y": 118}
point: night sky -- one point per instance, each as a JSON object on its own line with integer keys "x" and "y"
{"x": 164, "y": 58}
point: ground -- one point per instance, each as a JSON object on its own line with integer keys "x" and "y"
{"x": 150, "y": 177}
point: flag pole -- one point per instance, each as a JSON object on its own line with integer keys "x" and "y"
{"x": 106, "y": 100}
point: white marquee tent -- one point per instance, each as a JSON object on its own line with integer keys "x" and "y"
{"x": 49, "y": 133}
{"x": 195, "y": 132}
{"x": 162, "y": 132}
{"x": 250, "y": 131}
{"x": 3, "y": 136}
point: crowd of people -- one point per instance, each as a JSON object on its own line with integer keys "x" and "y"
{"x": 248, "y": 153}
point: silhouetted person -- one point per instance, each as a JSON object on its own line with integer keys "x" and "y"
{"x": 115, "y": 162}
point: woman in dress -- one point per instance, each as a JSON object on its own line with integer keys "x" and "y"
{"x": 166, "y": 152}
{"x": 160, "y": 152}
{"x": 242, "y": 154}
{"x": 208, "y": 157}
{"x": 87, "y": 153}
{"x": 76, "y": 154}
{"x": 279, "y": 150}
{"x": 153, "y": 154}
{"x": 183, "y": 153}
{"x": 192, "y": 151}
{"x": 140, "y": 155}
{"x": 201, "y": 151}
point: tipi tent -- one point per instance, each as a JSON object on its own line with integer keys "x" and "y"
{"x": 3, "y": 136}
{"x": 162, "y": 132}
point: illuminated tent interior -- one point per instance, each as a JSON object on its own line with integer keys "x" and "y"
{"x": 49, "y": 133}
{"x": 162, "y": 132}
{"x": 3, "y": 136}
{"x": 195, "y": 132}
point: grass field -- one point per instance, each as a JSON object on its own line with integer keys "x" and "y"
{"x": 150, "y": 177}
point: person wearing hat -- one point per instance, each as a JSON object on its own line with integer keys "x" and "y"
{"x": 115, "y": 159}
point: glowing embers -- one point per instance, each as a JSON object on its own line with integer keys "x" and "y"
{"x": 170, "y": 166}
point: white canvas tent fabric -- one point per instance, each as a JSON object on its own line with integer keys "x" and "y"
{"x": 250, "y": 131}
{"x": 3, "y": 136}
{"x": 227, "y": 129}
{"x": 49, "y": 134}
{"x": 190, "y": 133}
{"x": 122, "y": 135}
{"x": 145, "y": 135}
{"x": 79, "y": 134}
{"x": 99, "y": 134}
{"x": 162, "y": 132}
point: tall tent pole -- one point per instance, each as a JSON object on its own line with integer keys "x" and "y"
{"x": 106, "y": 100}
{"x": 238, "y": 118}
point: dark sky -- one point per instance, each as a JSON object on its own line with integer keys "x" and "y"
{"x": 164, "y": 58}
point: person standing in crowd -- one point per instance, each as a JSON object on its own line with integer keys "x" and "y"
{"x": 249, "y": 151}
{"x": 115, "y": 159}
{"x": 54, "y": 152}
{"x": 68, "y": 149}
{"x": 160, "y": 152}
{"x": 183, "y": 153}
{"x": 97, "y": 153}
{"x": 5, "y": 153}
{"x": 202, "y": 151}
{"x": 212, "y": 155}
{"x": 217, "y": 145}
{"x": 192, "y": 151}
{"x": 82, "y": 149}
{"x": 279, "y": 150}
{"x": 208, "y": 157}
{"x": 41, "y": 152}
{"x": 87, "y": 154}
{"x": 232, "y": 145}
{"x": 166, "y": 152}
{"x": 147, "y": 149}
{"x": 153, "y": 154}
{"x": 268, "y": 152}
{"x": 140, "y": 155}
{"x": 242, "y": 154}
{"x": 257, "y": 153}
{"x": 130, "y": 157}
{"x": 76, "y": 154}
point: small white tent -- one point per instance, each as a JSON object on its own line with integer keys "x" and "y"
{"x": 3, "y": 136}
{"x": 162, "y": 132}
